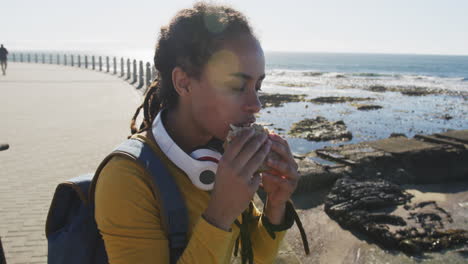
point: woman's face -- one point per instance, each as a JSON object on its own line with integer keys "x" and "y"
{"x": 227, "y": 91}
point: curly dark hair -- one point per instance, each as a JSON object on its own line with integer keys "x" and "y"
{"x": 188, "y": 42}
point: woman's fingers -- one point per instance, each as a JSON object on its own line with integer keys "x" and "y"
{"x": 237, "y": 143}
{"x": 286, "y": 168}
{"x": 250, "y": 149}
{"x": 255, "y": 182}
{"x": 281, "y": 147}
{"x": 253, "y": 163}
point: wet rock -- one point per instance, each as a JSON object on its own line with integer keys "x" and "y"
{"x": 371, "y": 208}
{"x": 409, "y": 90}
{"x": 314, "y": 176}
{"x": 446, "y": 117}
{"x": 277, "y": 100}
{"x": 402, "y": 160}
{"x": 405, "y": 90}
{"x": 338, "y": 99}
{"x": 368, "y": 107}
{"x": 416, "y": 91}
{"x": 377, "y": 88}
{"x": 398, "y": 135}
{"x": 320, "y": 129}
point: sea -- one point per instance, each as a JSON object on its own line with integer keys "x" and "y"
{"x": 444, "y": 108}
{"x": 445, "y": 78}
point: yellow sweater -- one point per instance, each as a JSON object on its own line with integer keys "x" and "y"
{"x": 128, "y": 217}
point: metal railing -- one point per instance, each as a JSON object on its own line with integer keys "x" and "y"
{"x": 141, "y": 76}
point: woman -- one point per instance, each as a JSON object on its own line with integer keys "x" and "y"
{"x": 210, "y": 68}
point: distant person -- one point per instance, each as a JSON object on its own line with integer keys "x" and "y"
{"x": 4, "y": 147}
{"x": 3, "y": 58}
{"x": 210, "y": 68}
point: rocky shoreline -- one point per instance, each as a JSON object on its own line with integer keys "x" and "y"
{"x": 361, "y": 187}
{"x": 370, "y": 207}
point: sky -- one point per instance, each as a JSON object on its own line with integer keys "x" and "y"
{"x": 362, "y": 26}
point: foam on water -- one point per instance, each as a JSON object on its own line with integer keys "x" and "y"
{"x": 278, "y": 78}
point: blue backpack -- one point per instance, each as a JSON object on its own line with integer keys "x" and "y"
{"x": 71, "y": 229}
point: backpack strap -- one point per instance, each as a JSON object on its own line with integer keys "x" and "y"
{"x": 173, "y": 209}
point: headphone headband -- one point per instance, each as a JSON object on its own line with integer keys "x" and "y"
{"x": 200, "y": 166}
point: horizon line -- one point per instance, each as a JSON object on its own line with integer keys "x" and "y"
{"x": 269, "y": 51}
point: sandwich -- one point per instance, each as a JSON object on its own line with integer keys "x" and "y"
{"x": 259, "y": 129}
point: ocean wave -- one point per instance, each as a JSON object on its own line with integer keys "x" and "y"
{"x": 296, "y": 84}
{"x": 313, "y": 74}
{"x": 305, "y": 79}
{"x": 373, "y": 74}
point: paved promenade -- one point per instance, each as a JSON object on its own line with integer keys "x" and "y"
{"x": 60, "y": 122}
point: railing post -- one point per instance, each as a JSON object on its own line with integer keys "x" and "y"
{"x": 128, "y": 69}
{"x": 121, "y": 67}
{"x": 72, "y": 61}
{"x": 107, "y": 64}
{"x": 86, "y": 61}
{"x": 29, "y": 57}
{"x": 114, "y": 60}
{"x": 65, "y": 59}
{"x": 58, "y": 59}
{"x": 93, "y": 62}
{"x": 141, "y": 81}
{"x": 43, "y": 58}
{"x": 79, "y": 61}
{"x": 21, "y": 57}
{"x": 13, "y": 57}
{"x": 100, "y": 63}
{"x": 134, "y": 71}
{"x": 50, "y": 59}
{"x": 148, "y": 74}
{"x": 35, "y": 57}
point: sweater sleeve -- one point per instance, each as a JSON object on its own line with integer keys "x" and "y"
{"x": 128, "y": 217}
{"x": 264, "y": 247}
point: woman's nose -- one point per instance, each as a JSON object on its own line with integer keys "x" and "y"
{"x": 252, "y": 102}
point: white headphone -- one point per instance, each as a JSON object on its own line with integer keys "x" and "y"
{"x": 200, "y": 166}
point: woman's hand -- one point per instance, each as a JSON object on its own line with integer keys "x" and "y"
{"x": 236, "y": 180}
{"x": 280, "y": 181}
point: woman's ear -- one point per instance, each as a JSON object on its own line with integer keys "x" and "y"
{"x": 181, "y": 81}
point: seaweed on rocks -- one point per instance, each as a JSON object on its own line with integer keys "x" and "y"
{"x": 338, "y": 99}
{"x": 363, "y": 107}
{"x": 277, "y": 100}
{"x": 320, "y": 129}
{"x": 369, "y": 207}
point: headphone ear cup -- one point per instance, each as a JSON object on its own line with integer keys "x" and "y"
{"x": 206, "y": 155}
{"x": 210, "y": 158}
